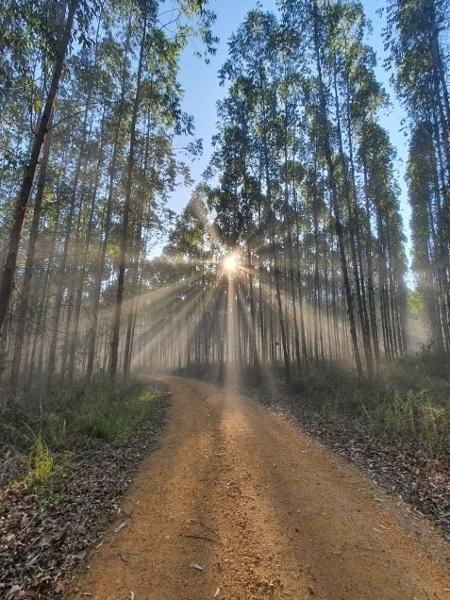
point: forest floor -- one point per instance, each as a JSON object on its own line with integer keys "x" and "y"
{"x": 239, "y": 504}
{"x": 57, "y": 497}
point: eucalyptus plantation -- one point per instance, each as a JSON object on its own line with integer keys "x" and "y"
{"x": 91, "y": 106}
{"x": 417, "y": 35}
{"x": 291, "y": 251}
{"x": 302, "y": 188}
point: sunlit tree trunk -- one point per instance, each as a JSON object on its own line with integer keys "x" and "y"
{"x": 334, "y": 196}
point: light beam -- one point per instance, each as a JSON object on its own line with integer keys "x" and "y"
{"x": 230, "y": 264}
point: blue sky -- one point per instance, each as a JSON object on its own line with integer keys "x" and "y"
{"x": 202, "y": 90}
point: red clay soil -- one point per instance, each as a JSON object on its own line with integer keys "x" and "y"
{"x": 239, "y": 504}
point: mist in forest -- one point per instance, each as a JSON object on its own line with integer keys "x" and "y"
{"x": 290, "y": 251}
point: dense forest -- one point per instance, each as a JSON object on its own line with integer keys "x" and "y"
{"x": 291, "y": 251}
{"x": 283, "y": 321}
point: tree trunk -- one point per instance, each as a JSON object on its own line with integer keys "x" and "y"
{"x": 7, "y": 281}
{"x": 115, "y": 338}
{"x": 334, "y": 197}
{"x": 22, "y": 312}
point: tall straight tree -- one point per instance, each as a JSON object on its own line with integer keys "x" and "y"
{"x": 417, "y": 34}
{"x": 9, "y": 269}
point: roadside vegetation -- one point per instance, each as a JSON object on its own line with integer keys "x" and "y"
{"x": 409, "y": 399}
{"x": 65, "y": 461}
{"x": 395, "y": 426}
{"x": 38, "y": 440}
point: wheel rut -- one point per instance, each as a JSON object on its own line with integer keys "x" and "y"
{"x": 239, "y": 504}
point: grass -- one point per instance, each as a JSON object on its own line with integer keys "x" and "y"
{"x": 91, "y": 413}
{"x": 408, "y": 399}
{"x": 106, "y": 415}
{"x": 42, "y": 461}
{"x": 411, "y": 416}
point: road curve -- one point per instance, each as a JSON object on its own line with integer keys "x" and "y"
{"x": 239, "y": 504}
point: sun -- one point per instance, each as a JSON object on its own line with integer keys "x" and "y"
{"x": 230, "y": 264}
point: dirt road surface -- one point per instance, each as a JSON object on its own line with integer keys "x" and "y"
{"x": 238, "y": 504}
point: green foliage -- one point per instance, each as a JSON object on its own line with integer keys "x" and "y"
{"x": 416, "y": 36}
{"x": 415, "y": 304}
{"x": 107, "y": 415}
{"x": 411, "y": 415}
{"x": 117, "y": 92}
{"x": 409, "y": 399}
{"x": 42, "y": 462}
{"x": 88, "y": 414}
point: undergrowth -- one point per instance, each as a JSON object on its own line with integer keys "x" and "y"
{"x": 42, "y": 462}
{"x": 43, "y": 435}
{"x": 408, "y": 399}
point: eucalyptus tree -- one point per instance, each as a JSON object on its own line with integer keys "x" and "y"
{"x": 192, "y": 249}
{"x": 105, "y": 161}
{"x": 237, "y": 202}
{"x": 302, "y": 189}
{"x": 306, "y": 186}
{"x": 423, "y": 191}
{"x": 301, "y": 194}
{"x": 385, "y": 239}
{"x": 343, "y": 95}
{"x": 65, "y": 15}
{"x": 155, "y": 43}
{"x": 417, "y": 36}
{"x": 253, "y": 71}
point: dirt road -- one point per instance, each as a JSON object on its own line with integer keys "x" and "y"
{"x": 238, "y": 504}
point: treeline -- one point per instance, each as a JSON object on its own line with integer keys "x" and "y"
{"x": 417, "y": 36}
{"x": 90, "y": 108}
{"x": 307, "y": 195}
{"x": 301, "y": 188}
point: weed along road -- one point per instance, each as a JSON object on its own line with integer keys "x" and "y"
{"x": 239, "y": 504}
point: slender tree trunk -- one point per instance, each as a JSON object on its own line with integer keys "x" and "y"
{"x": 7, "y": 280}
{"x": 22, "y": 313}
{"x": 334, "y": 197}
{"x": 126, "y": 214}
